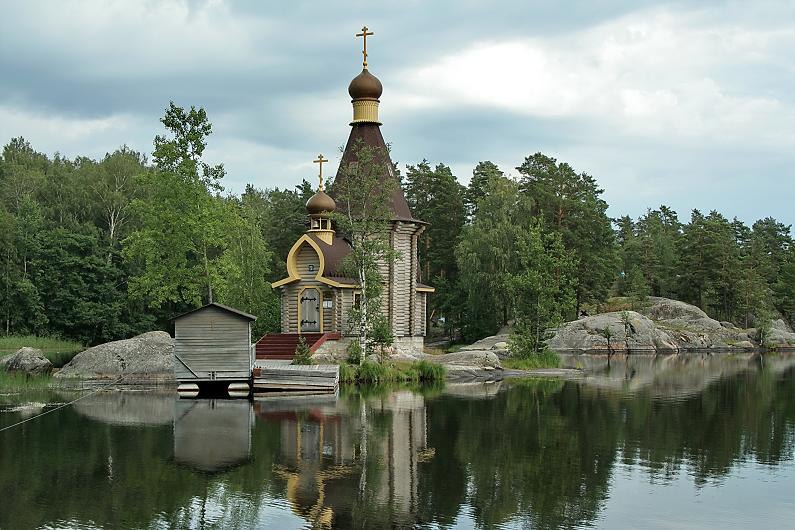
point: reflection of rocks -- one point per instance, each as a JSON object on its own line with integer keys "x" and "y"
{"x": 128, "y": 408}
{"x": 476, "y": 390}
{"x": 28, "y": 361}
{"x": 663, "y": 376}
{"x": 212, "y": 435}
{"x": 27, "y": 410}
{"x": 146, "y": 357}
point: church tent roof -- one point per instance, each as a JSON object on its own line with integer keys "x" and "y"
{"x": 370, "y": 134}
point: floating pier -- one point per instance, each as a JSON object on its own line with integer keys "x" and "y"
{"x": 282, "y": 376}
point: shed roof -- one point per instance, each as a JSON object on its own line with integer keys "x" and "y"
{"x": 223, "y": 307}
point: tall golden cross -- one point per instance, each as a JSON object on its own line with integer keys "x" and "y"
{"x": 320, "y": 160}
{"x": 364, "y": 35}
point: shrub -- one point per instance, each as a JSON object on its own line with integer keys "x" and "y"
{"x": 428, "y": 371}
{"x": 354, "y": 353}
{"x": 370, "y": 373}
{"x": 381, "y": 335}
{"x": 542, "y": 359}
{"x": 347, "y": 373}
{"x": 303, "y": 355}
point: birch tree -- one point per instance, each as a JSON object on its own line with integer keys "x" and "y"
{"x": 363, "y": 192}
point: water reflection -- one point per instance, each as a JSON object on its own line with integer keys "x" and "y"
{"x": 212, "y": 435}
{"x": 532, "y": 453}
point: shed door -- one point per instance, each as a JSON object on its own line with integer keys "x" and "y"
{"x": 310, "y": 310}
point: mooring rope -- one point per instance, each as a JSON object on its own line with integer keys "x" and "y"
{"x": 62, "y": 406}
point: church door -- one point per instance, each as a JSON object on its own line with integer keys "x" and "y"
{"x": 310, "y": 310}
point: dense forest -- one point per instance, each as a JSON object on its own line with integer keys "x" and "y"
{"x": 96, "y": 250}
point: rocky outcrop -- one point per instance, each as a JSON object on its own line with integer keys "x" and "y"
{"x": 147, "y": 357}
{"x": 497, "y": 344}
{"x": 661, "y": 326}
{"x": 468, "y": 365}
{"x": 780, "y": 335}
{"x": 469, "y": 358}
{"x": 627, "y": 330}
{"x": 27, "y": 360}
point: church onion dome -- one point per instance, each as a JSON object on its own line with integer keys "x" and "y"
{"x": 320, "y": 203}
{"x": 365, "y": 86}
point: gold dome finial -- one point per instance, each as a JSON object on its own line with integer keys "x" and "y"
{"x": 320, "y": 160}
{"x": 364, "y": 35}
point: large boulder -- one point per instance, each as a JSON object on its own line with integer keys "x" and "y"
{"x": 27, "y": 360}
{"x": 489, "y": 343}
{"x": 638, "y": 333}
{"x": 780, "y": 335}
{"x": 498, "y": 344}
{"x": 145, "y": 357}
{"x": 691, "y": 328}
{"x": 467, "y": 358}
{"x": 677, "y": 313}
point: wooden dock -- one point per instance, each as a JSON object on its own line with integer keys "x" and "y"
{"x": 276, "y": 375}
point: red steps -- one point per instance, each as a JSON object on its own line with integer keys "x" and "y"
{"x": 275, "y": 346}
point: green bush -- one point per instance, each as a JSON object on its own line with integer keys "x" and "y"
{"x": 428, "y": 371}
{"x": 18, "y": 382}
{"x": 354, "y": 353}
{"x": 347, "y": 373}
{"x": 542, "y": 359}
{"x": 371, "y": 373}
{"x": 303, "y": 355}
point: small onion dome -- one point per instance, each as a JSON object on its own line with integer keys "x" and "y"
{"x": 365, "y": 85}
{"x": 320, "y": 202}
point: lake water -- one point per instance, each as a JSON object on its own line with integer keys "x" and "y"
{"x": 675, "y": 442}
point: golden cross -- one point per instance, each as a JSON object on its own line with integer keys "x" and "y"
{"x": 320, "y": 160}
{"x": 364, "y": 35}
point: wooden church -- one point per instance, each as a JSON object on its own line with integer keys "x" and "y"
{"x": 316, "y": 297}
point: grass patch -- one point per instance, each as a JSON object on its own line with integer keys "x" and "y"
{"x": 58, "y": 351}
{"x": 17, "y": 382}
{"x": 370, "y": 373}
{"x": 543, "y": 359}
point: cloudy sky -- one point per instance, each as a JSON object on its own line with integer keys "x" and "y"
{"x": 681, "y": 103}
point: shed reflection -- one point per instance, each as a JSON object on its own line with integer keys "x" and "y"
{"x": 212, "y": 435}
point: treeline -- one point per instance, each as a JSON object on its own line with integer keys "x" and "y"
{"x": 96, "y": 250}
{"x": 539, "y": 249}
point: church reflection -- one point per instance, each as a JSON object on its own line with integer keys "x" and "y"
{"x": 337, "y": 453}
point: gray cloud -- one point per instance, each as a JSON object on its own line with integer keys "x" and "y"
{"x": 662, "y": 102}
